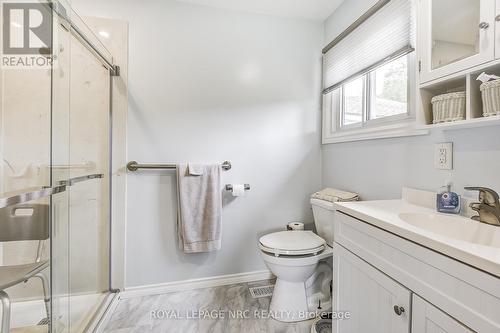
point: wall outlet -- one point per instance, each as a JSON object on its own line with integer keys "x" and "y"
{"x": 443, "y": 156}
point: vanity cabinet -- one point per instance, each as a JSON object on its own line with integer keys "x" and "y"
{"x": 426, "y": 318}
{"x": 377, "y": 274}
{"x": 455, "y": 35}
{"x": 375, "y": 302}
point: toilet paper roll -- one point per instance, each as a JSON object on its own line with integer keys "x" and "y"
{"x": 238, "y": 190}
{"x": 294, "y": 226}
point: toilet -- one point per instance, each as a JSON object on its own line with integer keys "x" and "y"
{"x": 293, "y": 257}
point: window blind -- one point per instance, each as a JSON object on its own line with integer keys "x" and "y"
{"x": 386, "y": 34}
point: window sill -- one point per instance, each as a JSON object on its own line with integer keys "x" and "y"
{"x": 372, "y": 133}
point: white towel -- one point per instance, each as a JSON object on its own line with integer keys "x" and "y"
{"x": 196, "y": 169}
{"x": 334, "y": 195}
{"x": 199, "y": 208}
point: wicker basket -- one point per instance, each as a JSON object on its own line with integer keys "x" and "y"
{"x": 448, "y": 107}
{"x": 490, "y": 92}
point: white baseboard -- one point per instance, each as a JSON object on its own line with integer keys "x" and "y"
{"x": 209, "y": 282}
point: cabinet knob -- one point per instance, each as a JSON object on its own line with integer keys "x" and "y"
{"x": 497, "y": 18}
{"x": 399, "y": 310}
{"x": 484, "y": 25}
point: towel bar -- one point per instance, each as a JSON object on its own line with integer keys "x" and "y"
{"x": 134, "y": 166}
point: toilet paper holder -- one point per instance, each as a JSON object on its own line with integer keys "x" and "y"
{"x": 229, "y": 187}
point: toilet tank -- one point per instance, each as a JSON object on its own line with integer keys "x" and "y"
{"x": 323, "y": 212}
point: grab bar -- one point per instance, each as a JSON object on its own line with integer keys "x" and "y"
{"x": 31, "y": 194}
{"x": 73, "y": 181}
{"x": 134, "y": 166}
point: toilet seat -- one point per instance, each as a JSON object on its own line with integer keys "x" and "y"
{"x": 292, "y": 243}
{"x": 294, "y": 261}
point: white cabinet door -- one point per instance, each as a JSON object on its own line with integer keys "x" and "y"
{"x": 454, "y": 35}
{"x": 369, "y": 296}
{"x": 428, "y": 319}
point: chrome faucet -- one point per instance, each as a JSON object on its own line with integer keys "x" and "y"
{"x": 488, "y": 206}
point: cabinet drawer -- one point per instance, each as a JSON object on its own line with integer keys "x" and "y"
{"x": 465, "y": 293}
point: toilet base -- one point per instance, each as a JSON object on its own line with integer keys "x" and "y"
{"x": 289, "y": 302}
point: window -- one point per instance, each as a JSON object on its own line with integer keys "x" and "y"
{"x": 353, "y": 102}
{"x": 369, "y": 75}
{"x": 389, "y": 94}
{"x": 387, "y": 99}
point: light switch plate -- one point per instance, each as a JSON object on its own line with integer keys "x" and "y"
{"x": 443, "y": 156}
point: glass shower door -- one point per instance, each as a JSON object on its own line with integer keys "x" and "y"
{"x": 81, "y": 137}
{"x": 55, "y": 132}
{"x": 60, "y": 172}
{"x": 89, "y": 199}
{"x": 33, "y": 138}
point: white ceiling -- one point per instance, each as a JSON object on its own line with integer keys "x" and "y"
{"x": 307, "y": 9}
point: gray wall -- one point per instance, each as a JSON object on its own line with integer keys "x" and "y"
{"x": 344, "y": 15}
{"x": 206, "y": 85}
{"x": 377, "y": 169}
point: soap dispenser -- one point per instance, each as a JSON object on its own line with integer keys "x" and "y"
{"x": 447, "y": 201}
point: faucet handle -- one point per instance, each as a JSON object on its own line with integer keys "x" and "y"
{"x": 486, "y": 195}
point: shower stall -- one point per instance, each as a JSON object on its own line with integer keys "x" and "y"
{"x": 55, "y": 162}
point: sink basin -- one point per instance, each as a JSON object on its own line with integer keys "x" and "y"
{"x": 455, "y": 227}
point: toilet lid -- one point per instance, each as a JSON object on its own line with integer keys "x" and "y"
{"x": 292, "y": 243}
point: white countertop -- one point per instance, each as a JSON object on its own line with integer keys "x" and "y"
{"x": 384, "y": 214}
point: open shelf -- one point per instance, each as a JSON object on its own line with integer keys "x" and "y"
{"x": 465, "y": 81}
{"x": 468, "y": 123}
{"x": 428, "y": 92}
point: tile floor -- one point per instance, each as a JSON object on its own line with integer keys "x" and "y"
{"x": 135, "y": 315}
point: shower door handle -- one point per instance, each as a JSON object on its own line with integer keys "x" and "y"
{"x": 73, "y": 181}
{"x": 31, "y": 194}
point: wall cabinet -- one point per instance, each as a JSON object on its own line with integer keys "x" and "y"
{"x": 455, "y": 35}
{"x": 376, "y": 303}
{"x": 426, "y": 318}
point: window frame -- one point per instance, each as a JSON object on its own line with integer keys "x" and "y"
{"x": 368, "y": 94}
{"x": 387, "y": 127}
